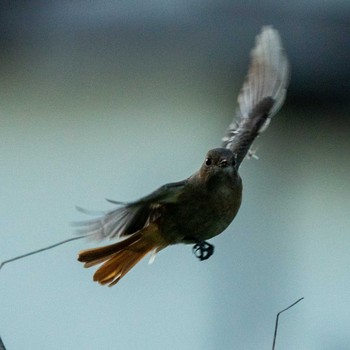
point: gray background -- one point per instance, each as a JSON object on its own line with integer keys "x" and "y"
{"x": 113, "y": 99}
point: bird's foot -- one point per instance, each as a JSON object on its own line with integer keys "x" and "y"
{"x": 203, "y": 250}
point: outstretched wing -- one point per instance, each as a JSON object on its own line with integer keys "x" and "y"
{"x": 262, "y": 94}
{"x": 130, "y": 217}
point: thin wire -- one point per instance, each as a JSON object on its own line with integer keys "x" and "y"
{"x": 40, "y": 250}
{"x": 277, "y": 317}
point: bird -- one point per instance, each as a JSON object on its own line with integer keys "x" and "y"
{"x": 202, "y": 206}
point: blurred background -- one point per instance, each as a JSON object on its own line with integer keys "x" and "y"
{"x": 112, "y": 99}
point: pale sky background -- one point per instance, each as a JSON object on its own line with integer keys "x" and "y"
{"x": 113, "y": 99}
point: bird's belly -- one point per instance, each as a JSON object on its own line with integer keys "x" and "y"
{"x": 199, "y": 220}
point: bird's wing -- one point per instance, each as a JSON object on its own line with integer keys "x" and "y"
{"x": 262, "y": 94}
{"x": 130, "y": 217}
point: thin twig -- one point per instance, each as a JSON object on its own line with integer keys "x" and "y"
{"x": 40, "y": 250}
{"x": 277, "y": 317}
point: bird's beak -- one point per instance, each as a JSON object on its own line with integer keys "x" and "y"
{"x": 223, "y": 163}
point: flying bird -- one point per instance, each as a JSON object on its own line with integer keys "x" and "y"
{"x": 202, "y": 206}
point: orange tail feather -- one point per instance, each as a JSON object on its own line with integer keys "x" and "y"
{"x": 121, "y": 257}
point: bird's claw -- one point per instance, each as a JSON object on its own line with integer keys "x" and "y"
{"x": 203, "y": 250}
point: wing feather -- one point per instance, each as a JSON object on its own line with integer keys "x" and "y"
{"x": 262, "y": 94}
{"x": 130, "y": 217}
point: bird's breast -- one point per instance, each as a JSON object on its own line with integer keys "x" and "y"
{"x": 201, "y": 212}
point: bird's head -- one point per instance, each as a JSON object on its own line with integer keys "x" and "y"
{"x": 219, "y": 162}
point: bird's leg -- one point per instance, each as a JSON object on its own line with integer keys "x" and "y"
{"x": 203, "y": 250}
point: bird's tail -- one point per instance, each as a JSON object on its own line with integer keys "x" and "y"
{"x": 119, "y": 258}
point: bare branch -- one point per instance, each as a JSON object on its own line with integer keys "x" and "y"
{"x": 277, "y": 317}
{"x": 39, "y": 251}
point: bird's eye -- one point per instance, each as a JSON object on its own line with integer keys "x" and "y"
{"x": 208, "y": 162}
